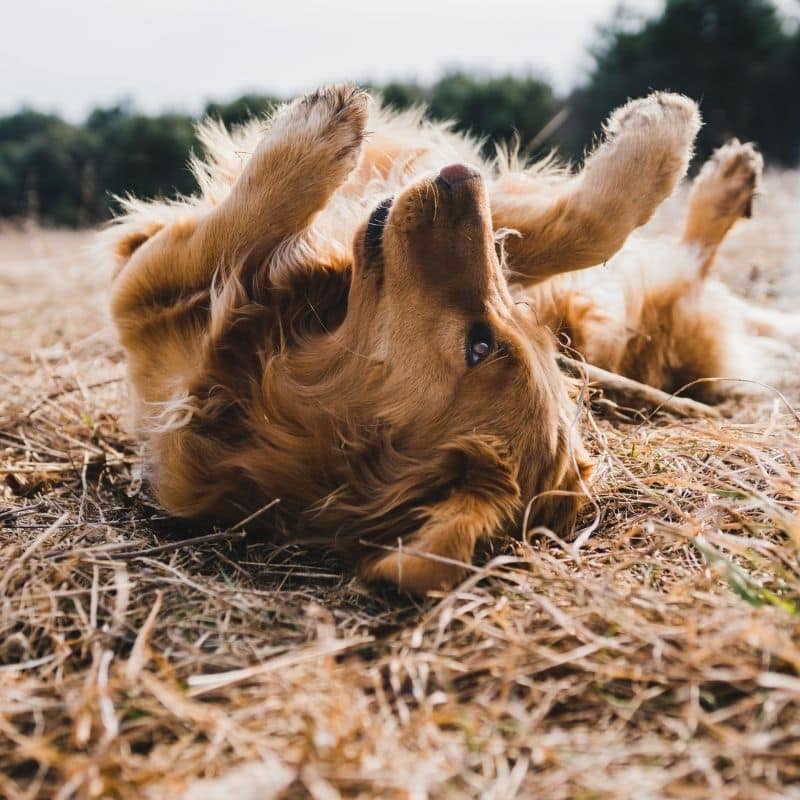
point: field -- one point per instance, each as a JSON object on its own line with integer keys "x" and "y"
{"x": 657, "y": 657}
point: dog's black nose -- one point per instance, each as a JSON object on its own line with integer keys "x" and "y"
{"x": 458, "y": 173}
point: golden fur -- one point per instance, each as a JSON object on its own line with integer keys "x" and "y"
{"x": 290, "y": 337}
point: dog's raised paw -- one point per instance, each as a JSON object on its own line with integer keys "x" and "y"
{"x": 342, "y": 109}
{"x": 330, "y": 120}
{"x": 646, "y": 151}
{"x": 663, "y": 117}
{"x": 730, "y": 179}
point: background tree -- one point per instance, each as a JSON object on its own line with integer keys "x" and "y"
{"x": 496, "y": 108}
{"x": 242, "y": 108}
{"x": 739, "y": 58}
{"x": 734, "y": 56}
{"x": 141, "y": 155}
{"x": 42, "y": 162}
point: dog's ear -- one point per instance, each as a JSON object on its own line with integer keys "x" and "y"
{"x": 438, "y": 554}
{"x": 118, "y": 242}
{"x": 131, "y": 241}
{"x": 137, "y": 222}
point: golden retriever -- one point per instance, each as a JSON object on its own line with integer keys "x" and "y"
{"x": 358, "y": 315}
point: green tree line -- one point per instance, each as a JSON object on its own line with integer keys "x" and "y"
{"x": 739, "y": 58}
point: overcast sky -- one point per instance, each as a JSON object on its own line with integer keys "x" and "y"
{"x": 70, "y": 55}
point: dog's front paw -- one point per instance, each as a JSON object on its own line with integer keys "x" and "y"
{"x": 665, "y": 119}
{"x": 329, "y": 122}
{"x": 730, "y": 180}
{"x": 647, "y": 150}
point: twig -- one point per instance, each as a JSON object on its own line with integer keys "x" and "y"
{"x": 234, "y": 533}
{"x": 634, "y": 392}
{"x": 14, "y": 513}
{"x": 209, "y": 682}
{"x": 69, "y": 390}
{"x": 20, "y": 560}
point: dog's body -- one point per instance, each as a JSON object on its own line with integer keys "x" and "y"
{"x": 292, "y": 335}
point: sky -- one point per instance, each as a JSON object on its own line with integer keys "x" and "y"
{"x": 69, "y": 56}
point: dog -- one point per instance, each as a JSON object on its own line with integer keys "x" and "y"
{"x": 358, "y": 314}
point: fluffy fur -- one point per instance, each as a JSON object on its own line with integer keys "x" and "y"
{"x": 292, "y": 335}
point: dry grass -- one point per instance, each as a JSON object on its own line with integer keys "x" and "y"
{"x": 658, "y": 659}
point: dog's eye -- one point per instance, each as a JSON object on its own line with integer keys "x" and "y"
{"x": 480, "y": 343}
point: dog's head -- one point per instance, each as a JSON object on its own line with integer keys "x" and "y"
{"x": 463, "y": 377}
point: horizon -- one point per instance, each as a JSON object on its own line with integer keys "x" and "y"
{"x": 249, "y": 40}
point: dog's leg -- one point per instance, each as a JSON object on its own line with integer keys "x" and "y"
{"x": 690, "y": 326}
{"x": 647, "y": 147}
{"x": 722, "y": 193}
{"x": 309, "y": 149}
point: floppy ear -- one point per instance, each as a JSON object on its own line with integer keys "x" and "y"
{"x": 138, "y": 221}
{"x": 438, "y": 554}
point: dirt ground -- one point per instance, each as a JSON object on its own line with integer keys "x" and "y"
{"x": 660, "y": 658}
